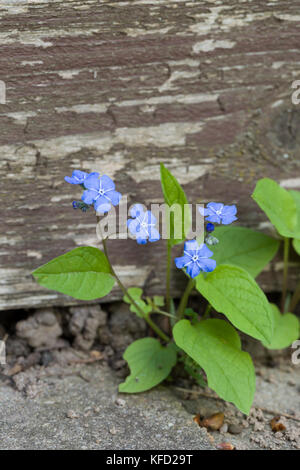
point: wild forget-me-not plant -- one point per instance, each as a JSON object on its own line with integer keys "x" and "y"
{"x": 224, "y": 274}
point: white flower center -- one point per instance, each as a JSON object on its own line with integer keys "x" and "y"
{"x": 101, "y": 192}
{"x": 219, "y": 212}
{"x": 195, "y": 258}
{"x": 144, "y": 224}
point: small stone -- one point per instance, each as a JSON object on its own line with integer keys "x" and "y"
{"x": 235, "y": 429}
{"x": 71, "y": 414}
{"x": 224, "y": 428}
{"x": 113, "y": 431}
{"x": 120, "y": 402}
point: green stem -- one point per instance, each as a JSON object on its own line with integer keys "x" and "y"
{"x": 286, "y": 249}
{"x": 154, "y": 327}
{"x": 168, "y": 277}
{"x": 184, "y": 299}
{"x": 207, "y": 312}
{"x": 295, "y": 299}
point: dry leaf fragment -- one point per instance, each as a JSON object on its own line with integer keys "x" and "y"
{"x": 276, "y": 425}
{"x": 225, "y": 446}
{"x": 213, "y": 422}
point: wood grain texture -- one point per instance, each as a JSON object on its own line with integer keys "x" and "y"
{"x": 118, "y": 86}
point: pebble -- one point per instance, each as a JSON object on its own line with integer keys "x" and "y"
{"x": 71, "y": 414}
{"x": 120, "y": 402}
{"x": 224, "y": 428}
{"x": 235, "y": 429}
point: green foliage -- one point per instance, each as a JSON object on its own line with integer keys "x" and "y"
{"x": 159, "y": 300}
{"x": 192, "y": 315}
{"x": 279, "y": 205}
{"x": 245, "y": 248}
{"x": 83, "y": 273}
{"x": 136, "y": 294}
{"x": 232, "y": 290}
{"x": 175, "y": 196}
{"x": 296, "y": 245}
{"x": 149, "y": 362}
{"x": 216, "y": 347}
{"x": 286, "y": 329}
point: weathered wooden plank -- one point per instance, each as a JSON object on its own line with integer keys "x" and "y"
{"x": 119, "y": 86}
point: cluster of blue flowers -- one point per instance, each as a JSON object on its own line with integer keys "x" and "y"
{"x": 196, "y": 258}
{"x": 100, "y": 192}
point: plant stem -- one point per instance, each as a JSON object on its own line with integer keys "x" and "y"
{"x": 168, "y": 277}
{"x": 295, "y": 299}
{"x": 285, "y": 271}
{"x": 207, "y": 312}
{"x": 185, "y": 298}
{"x": 147, "y": 318}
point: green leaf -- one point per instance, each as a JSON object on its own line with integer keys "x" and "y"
{"x": 175, "y": 198}
{"x": 216, "y": 347}
{"x": 286, "y": 329}
{"x": 296, "y": 245}
{"x": 245, "y": 248}
{"x": 232, "y": 290}
{"x": 278, "y": 204}
{"x": 136, "y": 294}
{"x": 149, "y": 362}
{"x": 159, "y": 300}
{"x": 83, "y": 273}
{"x": 296, "y": 196}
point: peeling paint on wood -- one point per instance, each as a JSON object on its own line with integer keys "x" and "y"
{"x": 119, "y": 86}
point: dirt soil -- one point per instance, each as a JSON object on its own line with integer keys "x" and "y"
{"x": 74, "y": 404}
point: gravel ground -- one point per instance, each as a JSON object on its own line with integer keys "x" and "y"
{"x": 78, "y": 407}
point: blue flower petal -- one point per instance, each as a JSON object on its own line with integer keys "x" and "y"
{"x": 114, "y": 197}
{"x": 88, "y": 196}
{"x": 150, "y": 218}
{"x": 191, "y": 245}
{"x": 204, "y": 252}
{"x": 154, "y": 235}
{"x": 102, "y": 205}
{"x": 215, "y": 206}
{"x": 193, "y": 270}
{"x": 182, "y": 261}
{"x": 92, "y": 182}
{"x": 107, "y": 183}
{"x": 214, "y": 218}
{"x": 133, "y": 226}
{"x": 207, "y": 265}
{"x": 137, "y": 210}
{"x": 229, "y": 210}
{"x": 226, "y": 220}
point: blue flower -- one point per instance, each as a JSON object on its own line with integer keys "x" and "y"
{"x": 218, "y": 213}
{"x": 78, "y": 177}
{"x": 100, "y": 192}
{"x": 142, "y": 225}
{"x": 196, "y": 259}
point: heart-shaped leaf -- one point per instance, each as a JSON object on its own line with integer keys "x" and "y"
{"x": 279, "y": 205}
{"x": 149, "y": 362}
{"x": 216, "y": 347}
{"x": 245, "y": 248}
{"x": 83, "y": 273}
